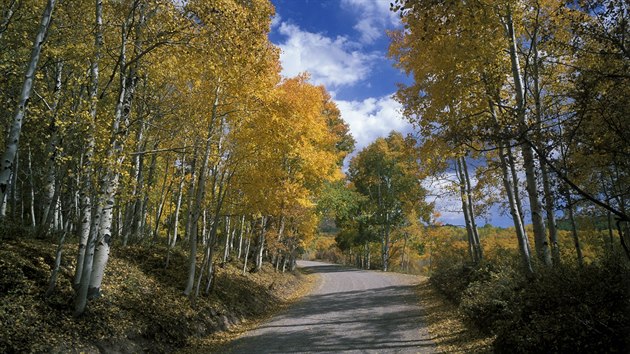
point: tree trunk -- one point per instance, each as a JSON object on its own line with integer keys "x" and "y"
{"x": 385, "y": 237}
{"x": 178, "y": 204}
{"x": 82, "y": 287}
{"x": 109, "y": 182}
{"x": 191, "y": 193}
{"x": 8, "y": 158}
{"x": 551, "y": 217}
{"x": 226, "y": 249}
{"x": 141, "y": 221}
{"x": 540, "y": 236}
{"x": 404, "y": 250}
{"x": 137, "y": 176}
{"x": 260, "y": 247}
{"x": 249, "y": 242}
{"x": 4, "y": 202}
{"x": 165, "y": 191}
{"x": 49, "y": 187}
{"x": 521, "y": 235}
{"x": 55, "y": 217}
{"x": 368, "y": 257}
{"x": 53, "y": 276}
{"x": 511, "y": 160}
{"x": 574, "y": 231}
{"x": 464, "y": 198}
{"x": 471, "y": 212}
{"x": 211, "y": 242}
{"x": 8, "y": 14}
{"x": 32, "y": 189}
{"x": 85, "y": 190}
{"x": 240, "y": 237}
{"x": 199, "y": 197}
{"x": 548, "y": 195}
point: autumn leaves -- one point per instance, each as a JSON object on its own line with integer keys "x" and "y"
{"x": 171, "y": 126}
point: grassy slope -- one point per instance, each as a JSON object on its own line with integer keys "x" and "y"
{"x": 142, "y": 308}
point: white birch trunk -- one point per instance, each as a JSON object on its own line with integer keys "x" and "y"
{"x": 471, "y": 212}
{"x": 49, "y": 187}
{"x": 165, "y": 192}
{"x": 226, "y": 249}
{"x": 516, "y": 216}
{"x": 6, "y": 19}
{"x": 137, "y": 176}
{"x": 240, "y": 237}
{"x": 142, "y": 210}
{"x": 32, "y": 189}
{"x": 191, "y": 193}
{"x": 540, "y": 236}
{"x": 178, "y": 204}
{"x": 85, "y": 186}
{"x": 466, "y": 210}
{"x": 109, "y": 182}
{"x": 199, "y": 197}
{"x": 521, "y": 235}
{"x": 80, "y": 300}
{"x": 386, "y": 234}
{"x": 249, "y": 242}
{"x": 8, "y": 158}
{"x": 261, "y": 244}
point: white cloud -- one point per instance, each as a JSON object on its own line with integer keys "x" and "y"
{"x": 372, "y": 118}
{"x": 332, "y": 62}
{"x": 374, "y": 17}
{"x": 276, "y": 20}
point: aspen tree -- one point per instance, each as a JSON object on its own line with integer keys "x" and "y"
{"x": 8, "y": 157}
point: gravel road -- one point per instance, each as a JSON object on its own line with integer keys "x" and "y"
{"x": 350, "y": 311}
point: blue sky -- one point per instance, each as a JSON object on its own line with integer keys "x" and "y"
{"x": 343, "y": 45}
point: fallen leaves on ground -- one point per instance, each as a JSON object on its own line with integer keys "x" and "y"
{"x": 142, "y": 307}
{"x": 447, "y": 327}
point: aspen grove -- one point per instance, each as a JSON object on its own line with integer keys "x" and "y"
{"x": 160, "y": 122}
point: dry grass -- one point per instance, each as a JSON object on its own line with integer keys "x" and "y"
{"x": 447, "y": 328}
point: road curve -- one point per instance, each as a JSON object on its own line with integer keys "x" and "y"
{"x": 350, "y": 311}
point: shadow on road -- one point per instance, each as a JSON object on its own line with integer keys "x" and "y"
{"x": 327, "y": 269}
{"x": 382, "y": 319}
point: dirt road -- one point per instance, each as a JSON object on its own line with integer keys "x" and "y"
{"x": 350, "y": 311}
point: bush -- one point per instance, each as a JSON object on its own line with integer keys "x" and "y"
{"x": 571, "y": 309}
{"x": 491, "y": 299}
{"x": 451, "y": 281}
{"x": 561, "y": 309}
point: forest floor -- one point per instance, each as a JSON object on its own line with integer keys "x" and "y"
{"x": 142, "y": 308}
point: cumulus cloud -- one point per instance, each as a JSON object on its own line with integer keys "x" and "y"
{"x": 332, "y": 62}
{"x": 372, "y": 118}
{"x": 373, "y": 18}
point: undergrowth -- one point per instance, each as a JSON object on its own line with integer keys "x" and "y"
{"x": 562, "y": 309}
{"x": 142, "y": 307}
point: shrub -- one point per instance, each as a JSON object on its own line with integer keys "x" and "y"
{"x": 570, "y": 309}
{"x": 561, "y": 309}
{"x": 451, "y": 281}
{"x": 491, "y": 298}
